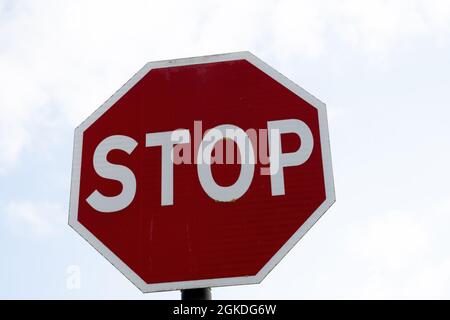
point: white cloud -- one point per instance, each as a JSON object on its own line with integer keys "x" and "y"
{"x": 393, "y": 239}
{"x": 31, "y": 219}
{"x": 402, "y": 254}
{"x": 378, "y": 25}
{"x": 299, "y": 28}
{"x": 20, "y": 99}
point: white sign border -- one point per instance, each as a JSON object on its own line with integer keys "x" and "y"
{"x": 178, "y": 285}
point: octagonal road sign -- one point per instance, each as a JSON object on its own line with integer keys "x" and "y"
{"x": 201, "y": 172}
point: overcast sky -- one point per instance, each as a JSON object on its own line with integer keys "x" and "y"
{"x": 382, "y": 68}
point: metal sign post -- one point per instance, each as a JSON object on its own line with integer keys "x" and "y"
{"x": 196, "y": 294}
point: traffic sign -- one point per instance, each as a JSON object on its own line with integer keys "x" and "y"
{"x": 201, "y": 172}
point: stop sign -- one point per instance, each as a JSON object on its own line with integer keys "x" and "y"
{"x": 201, "y": 172}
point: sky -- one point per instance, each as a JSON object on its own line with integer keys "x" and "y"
{"x": 382, "y": 67}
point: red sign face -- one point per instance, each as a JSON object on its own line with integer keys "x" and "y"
{"x": 201, "y": 172}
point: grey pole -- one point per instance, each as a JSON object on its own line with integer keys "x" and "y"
{"x": 196, "y": 294}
